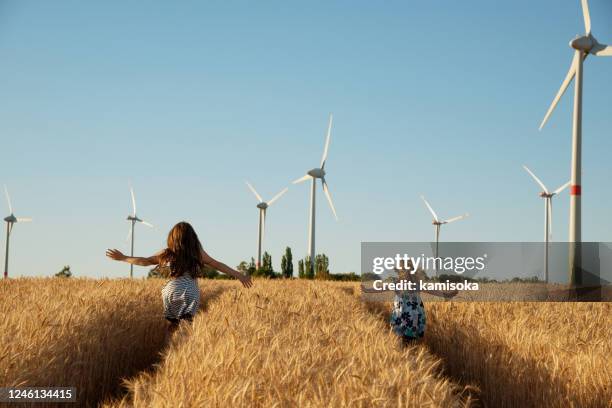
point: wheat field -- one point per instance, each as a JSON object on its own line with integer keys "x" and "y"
{"x": 297, "y": 343}
{"x": 528, "y": 354}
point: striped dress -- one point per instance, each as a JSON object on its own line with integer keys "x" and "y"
{"x": 181, "y": 297}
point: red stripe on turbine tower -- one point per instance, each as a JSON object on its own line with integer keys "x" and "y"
{"x": 575, "y": 190}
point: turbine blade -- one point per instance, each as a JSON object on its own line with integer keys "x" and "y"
{"x": 563, "y": 187}
{"x": 129, "y": 235}
{"x": 587, "y": 17}
{"x": 568, "y": 79}
{"x": 276, "y": 197}
{"x": 302, "y": 179}
{"x": 133, "y": 201}
{"x": 24, "y": 219}
{"x": 329, "y": 126}
{"x": 536, "y": 179}
{"x": 329, "y": 199}
{"x": 148, "y": 224}
{"x": 254, "y": 191}
{"x": 456, "y": 218}
{"x": 8, "y": 199}
{"x": 430, "y": 209}
{"x": 602, "y": 50}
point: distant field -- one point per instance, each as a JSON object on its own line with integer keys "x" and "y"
{"x": 289, "y": 343}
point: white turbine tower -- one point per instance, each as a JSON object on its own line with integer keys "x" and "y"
{"x": 313, "y": 175}
{"x": 437, "y": 223}
{"x": 133, "y": 218}
{"x": 583, "y": 46}
{"x": 263, "y": 206}
{"x": 10, "y": 221}
{"x": 547, "y": 196}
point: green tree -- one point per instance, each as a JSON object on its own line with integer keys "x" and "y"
{"x": 308, "y": 271}
{"x": 208, "y": 272}
{"x": 369, "y": 276}
{"x": 284, "y": 266}
{"x": 243, "y": 267}
{"x": 267, "y": 263}
{"x": 322, "y": 267}
{"x": 287, "y": 264}
{"x": 350, "y": 276}
{"x": 266, "y": 268}
{"x": 64, "y": 273}
{"x": 252, "y": 268}
{"x": 301, "y": 273}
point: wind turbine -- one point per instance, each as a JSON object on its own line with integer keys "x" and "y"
{"x": 583, "y": 46}
{"x": 437, "y": 223}
{"x": 10, "y": 221}
{"x": 547, "y": 196}
{"x": 263, "y": 206}
{"x": 313, "y": 175}
{"x": 133, "y": 218}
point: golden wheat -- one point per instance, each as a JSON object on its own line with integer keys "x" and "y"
{"x": 79, "y": 332}
{"x": 291, "y": 344}
{"x": 522, "y": 353}
{"x": 287, "y": 343}
{"x": 528, "y": 354}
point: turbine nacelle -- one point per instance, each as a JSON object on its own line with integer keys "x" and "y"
{"x": 133, "y": 218}
{"x": 436, "y": 220}
{"x": 545, "y": 193}
{"x": 11, "y": 219}
{"x": 583, "y": 43}
{"x": 316, "y": 173}
{"x": 263, "y": 206}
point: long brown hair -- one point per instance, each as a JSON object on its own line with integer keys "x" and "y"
{"x": 184, "y": 252}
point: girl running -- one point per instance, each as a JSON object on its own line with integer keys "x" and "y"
{"x": 184, "y": 256}
{"x": 408, "y": 315}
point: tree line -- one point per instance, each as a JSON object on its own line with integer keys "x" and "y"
{"x": 266, "y": 269}
{"x": 370, "y": 276}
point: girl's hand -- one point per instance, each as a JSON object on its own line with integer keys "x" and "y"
{"x": 115, "y": 254}
{"x": 245, "y": 280}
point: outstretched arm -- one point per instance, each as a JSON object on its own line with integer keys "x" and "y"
{"x": 117, "y": 255}
{"x": 223, "y": 268}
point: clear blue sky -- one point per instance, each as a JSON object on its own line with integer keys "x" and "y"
{"x": 189, "y": 99}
